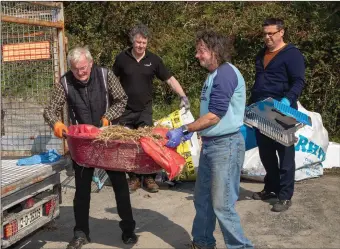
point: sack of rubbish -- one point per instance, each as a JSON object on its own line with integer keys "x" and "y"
{"x": 310, "y": 151}
{"x": 332, "y": 156}
{"x": 190, "y": 149}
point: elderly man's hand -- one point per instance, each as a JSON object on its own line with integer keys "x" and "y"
{"x": 104, "y": 122}
{"x": 184, "y": 103}
{"x": 60, "y": 129}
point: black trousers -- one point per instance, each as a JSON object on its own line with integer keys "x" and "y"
{"x": 134, "y": 120}
{"x": 81, "y": 202}
{"x": 279, "y": 176}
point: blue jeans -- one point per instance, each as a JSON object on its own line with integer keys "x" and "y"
{"x": 217, "y": 190}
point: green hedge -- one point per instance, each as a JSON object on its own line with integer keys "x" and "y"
{"x": 314, "y": 27}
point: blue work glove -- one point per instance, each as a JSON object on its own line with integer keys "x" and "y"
{"x": 176, "y": 136}
{"x": 188, "y": 136}
{"x": 45, "y": 157}
{"x": 285, "y": 101}
{"x": 184, "y": 103}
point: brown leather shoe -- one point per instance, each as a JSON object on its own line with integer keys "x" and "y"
{"x": 150, "y": 184}
{"x": 134, "y": 184}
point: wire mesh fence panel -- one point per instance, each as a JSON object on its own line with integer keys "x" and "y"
{"x": 30, "y": 65}
{"x": 29, "y": 10}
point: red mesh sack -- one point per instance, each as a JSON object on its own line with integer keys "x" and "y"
{"x": 165, "y": 157}
{"x": 83, "y": 130}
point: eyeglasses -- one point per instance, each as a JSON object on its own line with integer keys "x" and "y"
{"x": 270, "y": 34}
{"x": 84, "y": 68}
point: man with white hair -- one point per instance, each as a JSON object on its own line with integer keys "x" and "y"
{"x": 94, "y": 96}
{"x": 136, "y": 68}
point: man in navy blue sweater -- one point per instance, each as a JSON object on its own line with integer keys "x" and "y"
{"x": 280, "y": 74}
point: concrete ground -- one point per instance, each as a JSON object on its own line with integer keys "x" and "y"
{"x": 164, "y": 219}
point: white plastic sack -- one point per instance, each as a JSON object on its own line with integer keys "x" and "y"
{"x": 332, "y": 156}
{"x": 252, "y": 166}
{"x": 310, "y": 151}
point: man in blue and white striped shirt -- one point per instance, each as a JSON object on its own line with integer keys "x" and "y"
{"x": 222, "y": 107}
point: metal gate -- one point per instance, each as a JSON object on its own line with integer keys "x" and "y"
{"x": 32, "y": 60}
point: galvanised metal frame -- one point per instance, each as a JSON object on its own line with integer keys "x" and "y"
{"x": 26, "y": 84}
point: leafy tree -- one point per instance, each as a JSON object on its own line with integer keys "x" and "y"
{"x": 314, "y": 27}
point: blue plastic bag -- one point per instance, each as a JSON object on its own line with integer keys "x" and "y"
{"x": 249, "y": 137}
{"x": 45, "y": 157}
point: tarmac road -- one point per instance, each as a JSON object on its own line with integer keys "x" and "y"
{"x": 164, "y": 219}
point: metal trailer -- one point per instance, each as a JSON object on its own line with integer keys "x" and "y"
{"x": 30, "y": 198}
{"x": 32, "y": 60}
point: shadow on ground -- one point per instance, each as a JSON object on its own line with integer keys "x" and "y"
{"x": 107, "y": 232}
{"x": 188, "y": 187}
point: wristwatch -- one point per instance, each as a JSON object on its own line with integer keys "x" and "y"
{"x": 185, "y": 130}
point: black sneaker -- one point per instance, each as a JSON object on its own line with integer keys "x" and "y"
{"x": 78, "y": 241}
{"x": 281, "y": 205}
{"x": 264, "y": 195}
{"x": 194, "y": 246}
{"x": 129, "y": 238}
